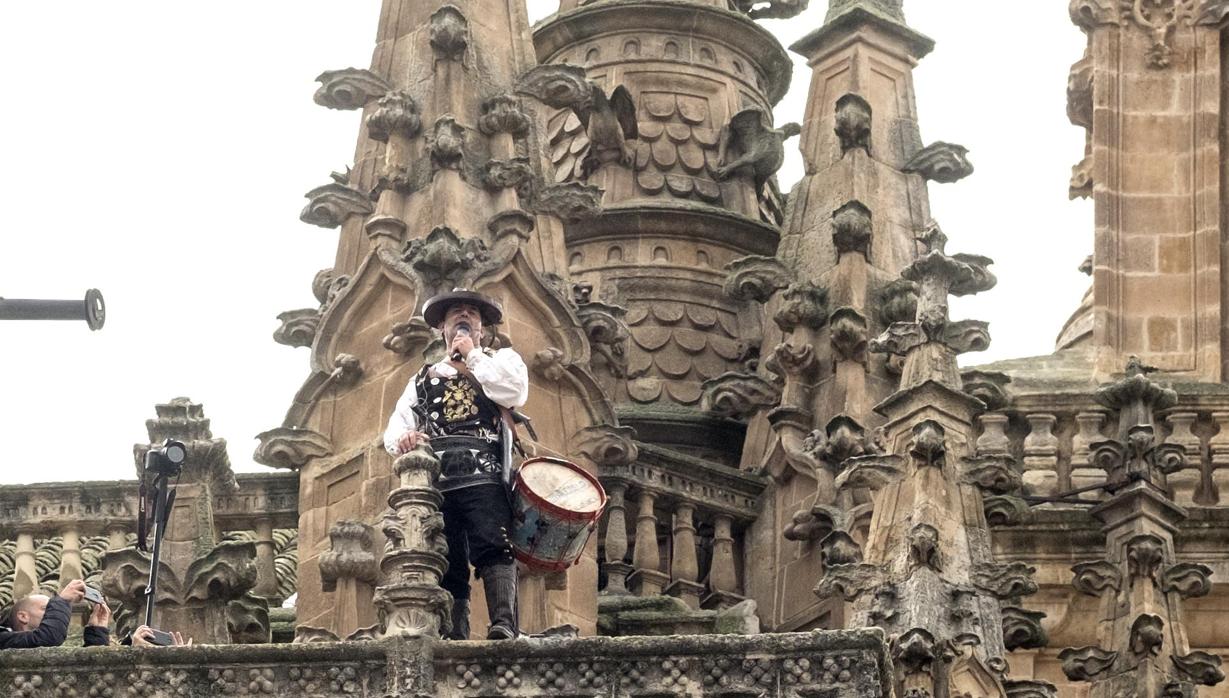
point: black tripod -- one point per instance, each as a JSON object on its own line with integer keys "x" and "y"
{"x": 164, "y": 462}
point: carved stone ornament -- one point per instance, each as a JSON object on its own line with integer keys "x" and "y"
{"x": 347, "y": 369}
{"x": 995, "y": 474}
{"x": 1214, "y": 12}
{"x": 928, "y": 447}
{"x": 405, "y": 337}
{"x": 298, "y": 328}
{"x": 1081, "y": 184}
{"x": 1093, "y": 578}
{"x": 608, "y": 446}
{"x": 847, "y": 331}
{"x": 803, "y": 305}
{"x": 873, "y": 472}
{"x": 941, "y": 162}
{"x": 514, "y": 222}
{"x": 853, "y": 123}
{"x": 549, "y": 364}
{"x": 330, "y": 205}
{"x": 915, "y": 650}
{"x": 570, "y": 201}
{"x": 1086, "y": 663}
{"x": 897, "y": 302}
{"x": 1137, "y": 456}
{"x": 515, "y": 173}
{"x": 351, "y": 88}
{"x": 607, "y": 332}
{"x": 1187, "y": 579}
{"x": 351, "y": 555}
{"x": 852, "y": 229}
{"x": 797, "y": 363}
{"x": 737, "y": 395}
{"x": 1005, "y": 581}
{"x": 751, "y": 148}
{"x": 1200, "y": 667}
{"x": 1089, "y": 14}
{"x": 924, "y": 547}
{"x": 1159, "y": 18}
{"x": 449, "y": 32}
{"x": 395, "y": 112}
{"x": 503, "y": 114}
{"x": 1147, "y": 635}
{"x": 755, "y": 278}
{"x": 845, "y": 438}
{"x": 1079, "y": 92}
{"x": 305, "y": 634}
{"x": 1029, "y": 688}
{"x": 447, "y": 143}
{"x": 848, "y": 581}
{"x": 290, "y": 447}
{"x": 839, "y": 548}
{"x": 967, "y": 335}
{"x": 559, "y": 85}
{"x": 442, "y": 258}
{"x": 898, "y": 339}
{"x": 988, "y": 386}
{"x": 1005, "y": 510}
{"x": 1145, "y": 553}
{"x": 1022, "y": 628}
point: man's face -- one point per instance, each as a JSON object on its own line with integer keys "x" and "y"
{"x": 463, "y": 314}
{"x": 30, "y": 615}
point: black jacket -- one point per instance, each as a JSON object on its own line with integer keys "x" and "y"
{"x": 52, "y": 631}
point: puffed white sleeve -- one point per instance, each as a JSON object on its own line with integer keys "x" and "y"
{"x": 503, "y": 376}
{"x": 402, "y": 419}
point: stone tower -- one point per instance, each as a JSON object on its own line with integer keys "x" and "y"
{"x": 447, "y": 191}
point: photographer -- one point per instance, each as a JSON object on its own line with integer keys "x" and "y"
{"x": 39, "y": 621}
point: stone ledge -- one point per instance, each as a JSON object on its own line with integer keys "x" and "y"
{"x": 838, "y": 663}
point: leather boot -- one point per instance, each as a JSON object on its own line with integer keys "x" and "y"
{"x": 499, "y": 583}
{"x": 460, "y": 620}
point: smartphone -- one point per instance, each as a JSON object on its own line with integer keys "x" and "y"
{"x": 161, "y": 639}
{"x": 94, "y": 596}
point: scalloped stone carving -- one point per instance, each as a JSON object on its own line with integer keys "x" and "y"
{"x": 350, "y": 88}
{"x": 290, "y": 447}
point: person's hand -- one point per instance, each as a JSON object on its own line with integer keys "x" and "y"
{"x": 73, "y": 592}
{"x": 462, "y": 344}
{"x": 141, "y": 638}
{"x": 410, "y": 441}
{"x": 101, "y": 616}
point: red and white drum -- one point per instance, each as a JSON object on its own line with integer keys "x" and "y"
{"x": 555, "y": 508}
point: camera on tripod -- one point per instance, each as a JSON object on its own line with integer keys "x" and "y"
{"x": 166, "y": 459}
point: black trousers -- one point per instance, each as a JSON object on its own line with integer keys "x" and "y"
{"x": 476, "y": 523}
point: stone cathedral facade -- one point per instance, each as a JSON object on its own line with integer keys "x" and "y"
{"x": 808, "y": 496}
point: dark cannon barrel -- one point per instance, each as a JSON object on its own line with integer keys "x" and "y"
{"x": 92, "y": 309}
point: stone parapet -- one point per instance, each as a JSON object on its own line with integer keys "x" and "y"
{"x": 841, "y": 664}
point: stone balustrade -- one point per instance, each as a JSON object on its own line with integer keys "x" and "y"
{"x": 1051, "y": 447}
{"x": 839, "y": 664}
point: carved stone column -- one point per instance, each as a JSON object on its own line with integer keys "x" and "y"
{"x": 70, "y": 556}
{"x": 1218, "y": 448}
{"x": 25, "y": 573}
{"x": 684, "y": 569}
{"x": 266, "y": 573}
{"x": 615, "y": 566}
{"x": 349, "y": 570}
{"x": 1185, "y": 483}
{"x": 647, "y": 580}
{"x": 411, "y": 601}
{"x": 722, "y": 575}
{"x": 1041, "y": 455}
{"x": 1083, "y": 472}
{"x": 993, "y": 440}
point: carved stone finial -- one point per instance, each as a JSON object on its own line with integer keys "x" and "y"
{"x": 503, "y": 114}
{"x": 803, "y": 305}
{"x": 350, "y": 556}
{"x": 853, "y": 123}
{"x": 852, "y": 229}
{"x": 395, "y": 112}
{"x": 449, "y": 31}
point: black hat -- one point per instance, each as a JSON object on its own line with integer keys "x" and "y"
{"x": 436, "y": 307}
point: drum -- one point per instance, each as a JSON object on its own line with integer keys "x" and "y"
{"x": 555, "y": 508}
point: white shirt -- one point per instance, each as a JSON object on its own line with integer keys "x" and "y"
{"x": 502, "y": 375}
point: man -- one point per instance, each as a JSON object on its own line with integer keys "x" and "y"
{"x": 457, "y": 406}
{"x": 40, "y": 621}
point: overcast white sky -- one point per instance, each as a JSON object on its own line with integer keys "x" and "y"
{"x": 159, "y": 151}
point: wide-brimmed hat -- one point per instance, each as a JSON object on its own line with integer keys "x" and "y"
{"x": 436, "y": 307}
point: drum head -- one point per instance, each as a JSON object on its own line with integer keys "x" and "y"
{"x": 562, "y": 485}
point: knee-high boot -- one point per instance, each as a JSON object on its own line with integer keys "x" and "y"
{"x": 499, "y": 583}
{"x": 460, "y": 620}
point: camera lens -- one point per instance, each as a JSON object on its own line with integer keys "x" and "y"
{"x": 175, "y": 452}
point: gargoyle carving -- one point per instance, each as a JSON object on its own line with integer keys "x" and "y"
{"x": 1086, "y": 663}
{"x": 941, "y": 162}
{"x": 607, "y": 332}
{"x": 755, "y": 278}
{"x": 750, "y": 147}
{"x": 290, "y": 447}
{"x": 738, "y": 395}
{"x": 449, "y": 31}
{"x": 1094, "y": 577}
{"x": 608, "y": 446}
{"x": 853, "y": 123}
{"x": 351, "y": 88}
{"x": 609, "y": 121}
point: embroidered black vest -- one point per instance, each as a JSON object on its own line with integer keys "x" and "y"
{"x": 468, "y": 420}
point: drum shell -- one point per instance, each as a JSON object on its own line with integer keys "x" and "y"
{"x": 547, "y": 537}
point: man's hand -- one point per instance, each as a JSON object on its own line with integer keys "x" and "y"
{"x": 73, "y": 592}
{"x": 101, "y": 616}
{"x": 141, "y": 638}
{"x": 410, "y": 441}
{"x": 462, "y": 344}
